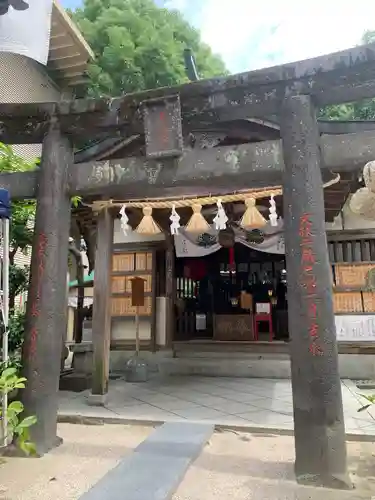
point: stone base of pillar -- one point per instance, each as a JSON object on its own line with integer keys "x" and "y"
{"x": 97, "y": 399}
{"x": 332, "y": 482}
{"x": 13, "y": 451}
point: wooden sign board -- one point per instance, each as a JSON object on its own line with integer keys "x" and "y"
{"x": 246, "y": 301}
{"x": 163, "y": 128}
{"x": 355, "y": 327}
{"x": 233, "y": 327}
{"x": 138, "y": 292}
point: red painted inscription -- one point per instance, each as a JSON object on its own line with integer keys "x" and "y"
{"x": 309, "y": 281}
{"x": 35, "y": 311}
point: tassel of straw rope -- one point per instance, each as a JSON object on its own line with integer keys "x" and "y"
{"x": 147, "y": 225}
{"x": 197, "y": 223}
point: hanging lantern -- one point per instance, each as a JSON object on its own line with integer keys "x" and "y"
{"x": 147, "y": 225}
{"x": 252, "y": 218}
{"x": 226, "y": 238}
{"x": 221, "y": 219}
{"x": 197, "y": 223}
{"x": 175, "y": 221}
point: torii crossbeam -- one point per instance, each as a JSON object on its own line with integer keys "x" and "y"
{"x": 166, "y": 117}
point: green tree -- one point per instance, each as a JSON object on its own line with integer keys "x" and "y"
{"x": 362, "y": 110}
{"x": 21, "y": 227}
{"x": 139, "y": 46}
{"x": 21, "y": 236}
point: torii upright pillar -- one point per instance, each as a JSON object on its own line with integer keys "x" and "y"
{"x": 318, "y": 413}
{"x": 46, "y": 315}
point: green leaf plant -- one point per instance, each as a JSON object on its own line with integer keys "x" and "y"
{"x": 18, "y": 428}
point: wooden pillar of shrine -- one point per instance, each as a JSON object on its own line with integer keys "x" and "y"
{"x": 318, "y": 413}
{"x": 46, "y": 315}
{"x": 101, "y": 319}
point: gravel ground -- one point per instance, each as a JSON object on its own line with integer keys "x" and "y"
{"x": 233, "y": 465}
{"x": 87, "y": 453}
{"x": 240, "y": 466}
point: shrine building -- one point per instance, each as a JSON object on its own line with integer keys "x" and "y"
{"x": 229, "y": 287}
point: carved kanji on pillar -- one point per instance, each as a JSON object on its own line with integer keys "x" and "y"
{"x": 46, "y": 306}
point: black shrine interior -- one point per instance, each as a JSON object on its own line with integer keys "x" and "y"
{"x": 211, "y": 285}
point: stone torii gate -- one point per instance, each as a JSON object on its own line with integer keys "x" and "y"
{"x": 166, "y": 116}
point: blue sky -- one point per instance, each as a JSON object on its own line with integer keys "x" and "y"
{"x": 250, "y": 35}
{"x": 71, "y": 4}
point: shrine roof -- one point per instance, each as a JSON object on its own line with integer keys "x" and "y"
{"x": 69, "y": 53}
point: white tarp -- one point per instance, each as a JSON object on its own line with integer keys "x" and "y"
{"x": 187, "y": 245}
{"x": 27, "y": 32}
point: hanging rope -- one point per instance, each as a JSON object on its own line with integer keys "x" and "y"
{"x": 166, "y": 203}
{"x": 187, "y": 202}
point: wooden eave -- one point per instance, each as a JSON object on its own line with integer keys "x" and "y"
{"x": 69, "y": 53}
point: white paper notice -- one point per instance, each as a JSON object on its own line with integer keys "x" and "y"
{"x": 355, "y": 328}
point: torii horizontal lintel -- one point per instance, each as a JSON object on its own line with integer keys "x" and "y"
{"x": 232, "y": 167}
{"x": 344, "y": 76}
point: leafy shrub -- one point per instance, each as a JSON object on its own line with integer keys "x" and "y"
{"x": 18, "y": 429}
{"x": 16, "y": 330}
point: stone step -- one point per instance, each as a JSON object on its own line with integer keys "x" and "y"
{"x": 232, "y": 355}
{"x": 224, "y": 367}
{"x": 365, "y": 384}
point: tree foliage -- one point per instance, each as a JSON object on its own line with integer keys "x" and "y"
{"x": 21, "y": 228}
{"x": 21, "y": 236}
{"x": 139, "y": 46}
{"x": 362, "y": 110}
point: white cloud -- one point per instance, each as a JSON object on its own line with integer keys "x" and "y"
{"x": 249, "y": 36}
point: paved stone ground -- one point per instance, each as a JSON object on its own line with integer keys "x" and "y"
{"x": 240, "y": 466}
{"x": 235, "y": 402}
{"x": 86, "y": 455}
